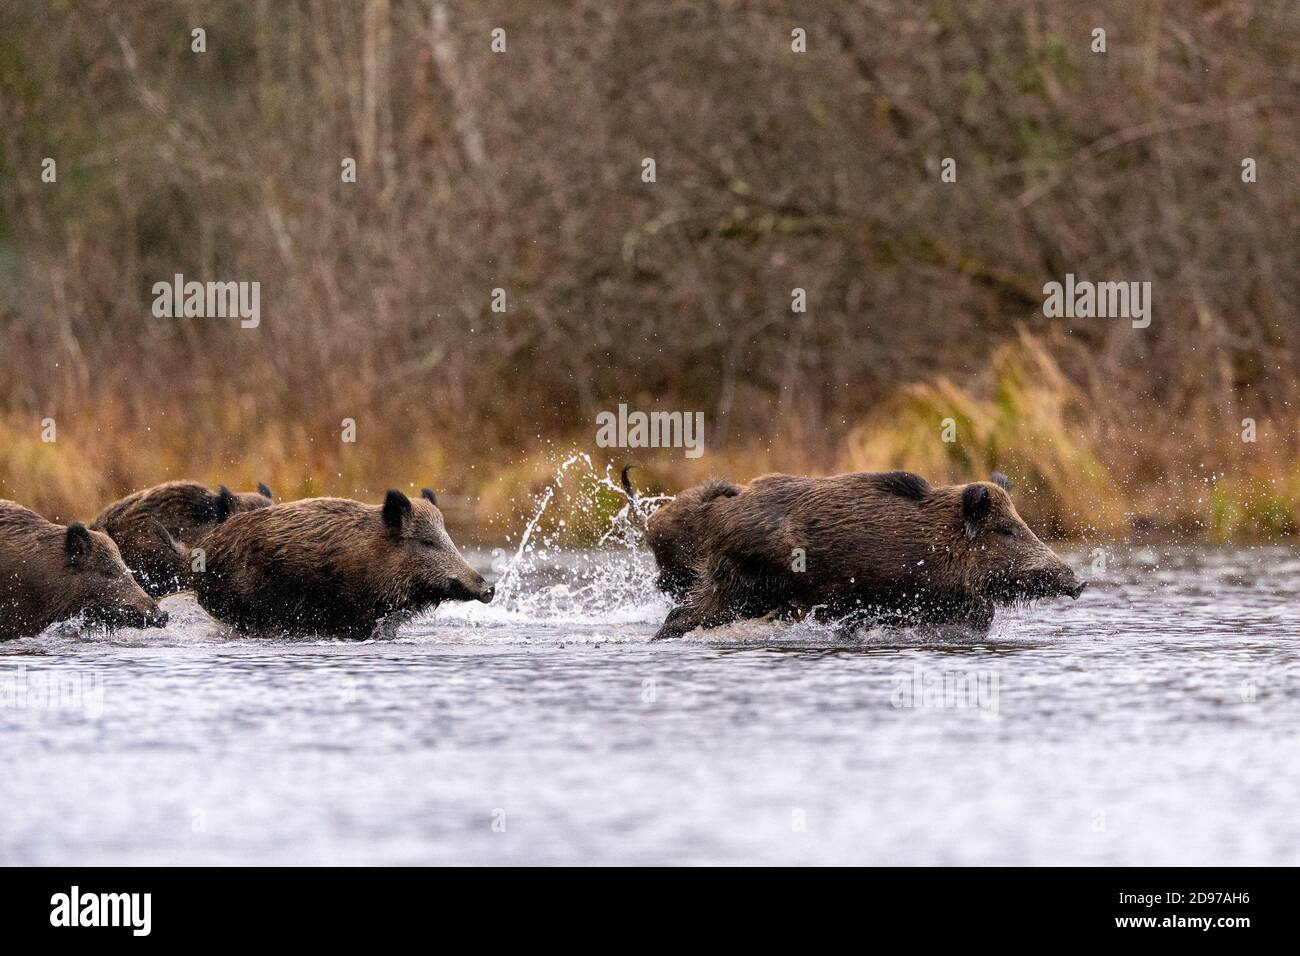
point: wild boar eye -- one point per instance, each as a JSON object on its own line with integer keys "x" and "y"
{"x": 1008, "y": 531}
{"x": 427, "y": 542}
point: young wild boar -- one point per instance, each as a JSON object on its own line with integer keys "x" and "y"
{"x": 333, "y": 566}
{"x": 156, "y": 529}
{"x": 50, "y": 573}
{"x": 886, "y": 548}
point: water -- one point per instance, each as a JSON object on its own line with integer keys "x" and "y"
{"x": 1153, "y": 721}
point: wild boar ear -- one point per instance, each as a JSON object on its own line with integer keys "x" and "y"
{"x": 224, "y": 504}
{"x": 77, "y": 542}
{"x": 976, "y": 502}
{"x": 163, "y": 535}
{"x": 1002, "y": 481}
{"x": 397, "y": 508}
{"x": 429, "y": 496}
{"x": 264, "y": 491}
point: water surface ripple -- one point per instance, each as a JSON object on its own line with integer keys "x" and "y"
{"x": 1153, "y": 721}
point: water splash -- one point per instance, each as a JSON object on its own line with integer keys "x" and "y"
{"x": 552, "y": 579}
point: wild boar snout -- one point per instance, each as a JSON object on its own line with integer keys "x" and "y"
{"x": 140, "y": 610}
{"x": 137, "y": 610}
{"x": 480, "y": 588}
{"x": 1049, "y": 576}
{"x": 472, "y": 587}
{"x": 1066, "y": 582}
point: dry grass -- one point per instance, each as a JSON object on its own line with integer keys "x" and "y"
{"x": 1034, "y": 426}
{"x": 105, "y": 453}
{"x": 1023, "y": 417}
{"x": 1026, "y": 419}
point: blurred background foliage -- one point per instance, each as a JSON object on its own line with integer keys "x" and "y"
{"x": 775, "y": 171}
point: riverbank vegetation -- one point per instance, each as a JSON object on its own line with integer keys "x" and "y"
{"x": 775, "y": 171}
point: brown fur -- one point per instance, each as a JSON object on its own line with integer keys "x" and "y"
{"x": 50, "y": 573}
{"x": 881, "y": 547}
{"x": 333, "y": 566}
{"x": 673, "y": 533}
{"x": 157, "y": 528}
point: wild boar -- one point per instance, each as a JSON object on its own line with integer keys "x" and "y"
{"x": 887, "y": 548}
{"x": 157, "y": 528}
{"x": 333, "y": 566}
{"x": 50, "y": 573}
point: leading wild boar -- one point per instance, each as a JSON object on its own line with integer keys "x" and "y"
{"x": 50, "y": 573}
{"x": 333, "y": 566}
{"x": 155, "y": 529}
{"x": 887, "y": 548}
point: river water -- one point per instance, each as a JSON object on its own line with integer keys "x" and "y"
{"x": 1153, "y": 721}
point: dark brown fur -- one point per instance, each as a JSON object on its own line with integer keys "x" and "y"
{"x": 673, "y": 533}
{"x": 156, "y": 529}
{"x": 333, "y": 566}
{"x": 50, "y": 573}
{"x": 880, "y": 547}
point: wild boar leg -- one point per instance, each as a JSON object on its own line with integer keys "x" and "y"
{"x": 699, "y": 610}
{"x": 681, "y": 620}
